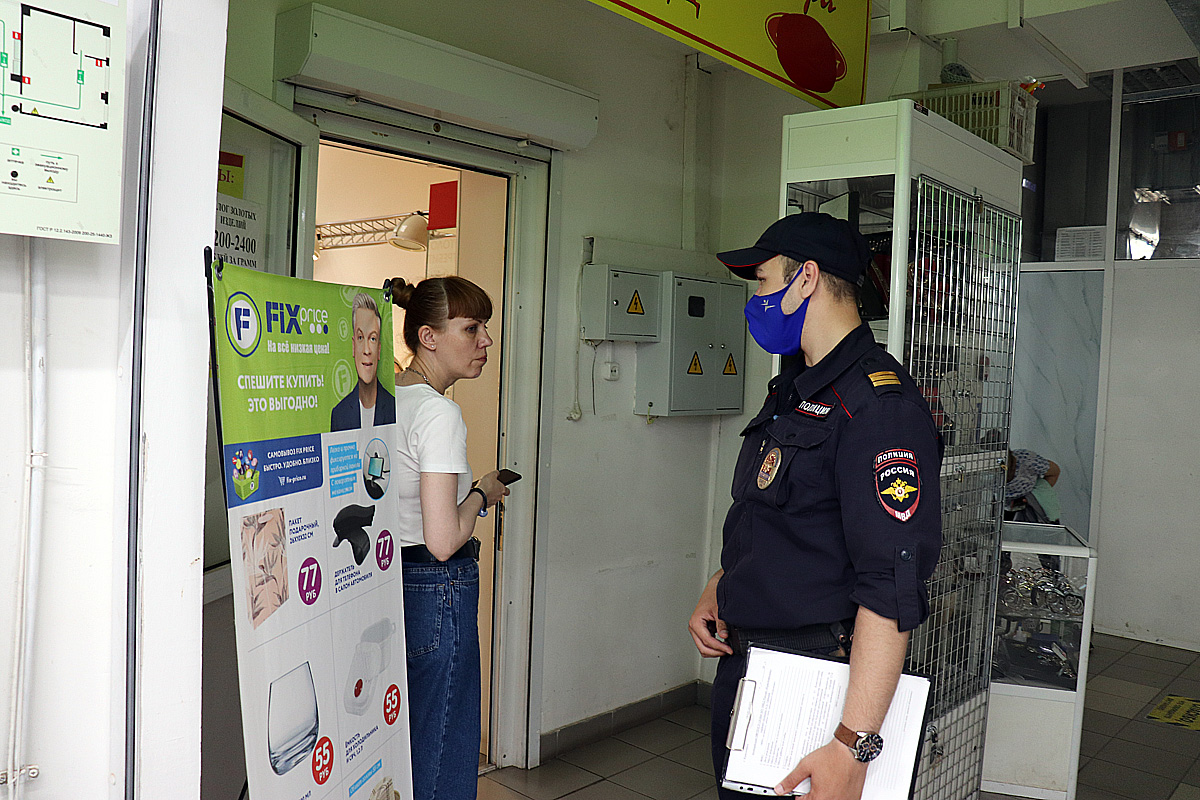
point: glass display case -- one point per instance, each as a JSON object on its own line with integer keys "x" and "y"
{"x": 1039, "y": 661}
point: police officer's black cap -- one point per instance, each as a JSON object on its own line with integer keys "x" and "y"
{"x": 833, "y": 243}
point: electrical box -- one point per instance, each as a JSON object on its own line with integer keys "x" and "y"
{"x": 698, "y": 364}
{"x": 620, "y": 304}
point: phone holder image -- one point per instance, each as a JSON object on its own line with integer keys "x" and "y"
{"x": 372, "y": 655}
{"x": 348, "y": 526}
{"x": 376, "y": 468}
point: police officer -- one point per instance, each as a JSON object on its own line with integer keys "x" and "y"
{"x": 836, "y": 519}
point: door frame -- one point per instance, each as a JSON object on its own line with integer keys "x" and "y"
{"x": 261, "y": 112}
{"x": 516, "y": 710}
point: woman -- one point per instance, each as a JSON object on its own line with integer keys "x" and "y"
{"x": 445, "y": 326}
{"x": 1029, "y": 475}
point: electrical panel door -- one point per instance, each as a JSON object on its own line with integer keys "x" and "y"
{"x": 619, "y": 304}
{"x": 697, "y": 366}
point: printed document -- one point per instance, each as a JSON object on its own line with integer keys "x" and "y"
{"x": 789, "y": 705}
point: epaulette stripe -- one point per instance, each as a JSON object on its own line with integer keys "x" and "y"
{"x": 885, "y": 378}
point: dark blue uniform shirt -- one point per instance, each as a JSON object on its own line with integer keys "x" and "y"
{"x": 837, "y": 499}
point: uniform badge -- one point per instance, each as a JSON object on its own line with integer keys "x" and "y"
{"x": 897, "y": 483}
{"x": 769, "y": 468}
{"x": 813, "y": 409}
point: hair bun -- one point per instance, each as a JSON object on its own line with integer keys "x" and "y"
{"x": 401, "y": 292}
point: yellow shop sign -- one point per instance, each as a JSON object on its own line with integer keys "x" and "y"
{"x": 816, "y": 49}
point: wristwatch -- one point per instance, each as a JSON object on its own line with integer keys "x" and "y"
{"x": 865, "y": 745}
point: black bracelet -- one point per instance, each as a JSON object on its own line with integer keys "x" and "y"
{"x": 483, "y": 496}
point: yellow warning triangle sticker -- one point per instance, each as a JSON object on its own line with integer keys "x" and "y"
{"x": 635, "y": 305}
{"x": 730, "y": 367}
{"x": 49, "y": 180}
{"x": 35, "y": 111}
{"x": 694, "y": 368}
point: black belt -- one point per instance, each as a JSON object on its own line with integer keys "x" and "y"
{"x": 419, "y": 553}
{"x": 822, "y": 636}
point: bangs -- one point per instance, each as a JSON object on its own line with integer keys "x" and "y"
{"x": 465, "y": 299}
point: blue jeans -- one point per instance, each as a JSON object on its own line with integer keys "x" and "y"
{"x": 441, "y": 630}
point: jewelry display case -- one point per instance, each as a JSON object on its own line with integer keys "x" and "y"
{"x": 1039, "y": 661}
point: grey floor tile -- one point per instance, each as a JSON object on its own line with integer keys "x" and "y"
{"x": 658, "y": 736}
{"x": 1150, "y": 664}
{"x": 1186, "y": 792}
{"x": 1113, "y": 704}
{"x": 1193, "y": 776}
{"x": 711, "y": 794}
{"x": 1154, "y": 760}
{"x": 1102, "y": 657}
{"x": 490, "y": 790}
{"x": 1134, "y": 675}
{"x": 1101, "y": 722}
{"x": 1084, "y": 792}
{"x": 1126, "y": 781}
{"x": 607, "y": 757}
{"x": 1185, "y": 687}
{"x": 1114, "y": 642}
{"x": 1123, "y": 688}
{"x": 696, "y": 754}
{"x": 1192, "y": 672}
{"x": 1164, "y": 652}
{"x": 548, "y": 782}
{"x": 698, "y": 718}
{"x": 1090, "y": 743}
{"x": 994, "y": 796}
{"x": 661, "y": 779}
{"x": 604, "y": 790}
{"x": 1163, "y": 736}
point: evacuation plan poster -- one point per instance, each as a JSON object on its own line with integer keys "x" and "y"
{"x": 307, "y": 418}
{"x": 62, "y": 110}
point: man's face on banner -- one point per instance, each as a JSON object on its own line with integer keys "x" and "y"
{"x": 366, "y": 344}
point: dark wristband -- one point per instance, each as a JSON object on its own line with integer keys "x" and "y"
{"x": 482, "y": 496}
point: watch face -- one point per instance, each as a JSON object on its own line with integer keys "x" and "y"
{"x": 869, "y": 746}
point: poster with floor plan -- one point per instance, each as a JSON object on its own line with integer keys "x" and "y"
{"x": 306, "y": 411}
{"x": 62, "y": 108}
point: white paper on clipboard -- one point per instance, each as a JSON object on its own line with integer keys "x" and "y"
{"x": 789, "y": 705}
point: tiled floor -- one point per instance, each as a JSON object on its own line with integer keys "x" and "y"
{"x": 1122, "y": 756}
{"x": 666, "y": 759}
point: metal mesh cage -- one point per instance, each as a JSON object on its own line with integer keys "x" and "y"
{"x": 1000, "y": 113}
{"x": 962, "y": 323}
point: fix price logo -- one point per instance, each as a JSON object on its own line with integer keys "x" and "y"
{"x": 243, "y": 324}
{"x": 294, "y": 318}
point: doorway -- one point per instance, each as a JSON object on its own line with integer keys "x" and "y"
{"x": 518, "y": 172}
{"x": 464, "y": 213}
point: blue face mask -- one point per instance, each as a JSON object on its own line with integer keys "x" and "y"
{"x": 775, "y": 331}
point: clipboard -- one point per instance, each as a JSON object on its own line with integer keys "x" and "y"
{"x": 788, "y": 704}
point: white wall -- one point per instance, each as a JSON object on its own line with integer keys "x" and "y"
{"x": 1147, "y": 536}
{"x": 77, "y": 705}
{"x": 635, "y": 509}
{"x": 77, "y": 612}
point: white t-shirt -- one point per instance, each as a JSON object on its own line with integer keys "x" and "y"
{"x": 430, "y": 437}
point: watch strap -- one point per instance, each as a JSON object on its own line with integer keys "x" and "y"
{"x": 846, "y": 736}
{"x": 866, "y": 745}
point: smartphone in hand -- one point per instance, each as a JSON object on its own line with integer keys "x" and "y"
{"x": 507, "y": 476}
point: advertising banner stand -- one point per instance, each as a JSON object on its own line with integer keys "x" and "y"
{"x": 305, "y": 394}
